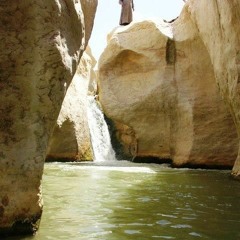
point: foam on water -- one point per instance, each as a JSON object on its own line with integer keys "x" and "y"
{"x": 128, "y": 168}
{"x": 119, "y": 169}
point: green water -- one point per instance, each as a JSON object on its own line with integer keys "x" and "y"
{"x": 129, "y": 201}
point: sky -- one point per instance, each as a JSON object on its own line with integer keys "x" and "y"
{"x": 108, "y": 15}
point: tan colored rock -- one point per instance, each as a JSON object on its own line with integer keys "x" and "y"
{"x": 221, "y": 36}
{"x": 41, "y": 43}
{"x": 158, "y": 80}
{"x": 71, "y": 137}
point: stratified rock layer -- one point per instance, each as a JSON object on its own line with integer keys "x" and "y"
{"x": 41, "y": 43}
{"x": 71, "y": 137}
{"x": 157, "y": 84}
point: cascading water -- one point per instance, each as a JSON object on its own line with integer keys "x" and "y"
{"x": 100, "y": 137}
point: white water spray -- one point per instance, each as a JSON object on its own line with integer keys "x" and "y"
{"x": 100, "y": 137}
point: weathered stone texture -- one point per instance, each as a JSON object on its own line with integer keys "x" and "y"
{"x": 158, "y": 79}
{"x": 221, "y": 36}
{"x": 41, "y": 43}
{"x": 71, "y": 137}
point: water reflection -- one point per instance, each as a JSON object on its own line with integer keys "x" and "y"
{"x": 134, "y": 201}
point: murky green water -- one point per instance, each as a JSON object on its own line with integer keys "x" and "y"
{"x": 138, "y": 202}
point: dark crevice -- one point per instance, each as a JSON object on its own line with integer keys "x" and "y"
{"x": 202, "y": 166}
{"x": 60, "y": 159}
{"x": 26, "y": 227}
{"x": 170, "y": 52}
{"x": 116, "y": 144}
{"x": 150, "y": 159}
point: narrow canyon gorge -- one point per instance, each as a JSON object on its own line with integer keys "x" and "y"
{"x": 168, "y": 90}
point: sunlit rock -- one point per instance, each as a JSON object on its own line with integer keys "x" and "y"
{"x": 41, "y": 43}
{"x": 157, "y": 86}
{"x": 221, "y": 36}
{"x": 71, "y": 137}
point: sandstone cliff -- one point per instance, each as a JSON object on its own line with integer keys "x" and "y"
{"x": 41, "y": 43}
{"x": 221, "y": 36}
{"x": 158, "y": 85}
{"x": 71, "y": 137}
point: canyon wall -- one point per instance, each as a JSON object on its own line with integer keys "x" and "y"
{"x": 70, "y": 140}
{"x": 41, "y": 43}
{"x": 157, "y": 85}
{"x": 221, "y": 36}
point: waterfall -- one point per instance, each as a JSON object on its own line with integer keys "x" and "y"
{"x": 101, "y": 141}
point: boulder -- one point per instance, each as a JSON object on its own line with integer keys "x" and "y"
{"x": 157, "y": 86}
{"x": 41, "y": 45}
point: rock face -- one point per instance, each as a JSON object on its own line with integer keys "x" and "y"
{"x": 71, "y": 137}
{"x": 221, "y": 37}
{"x": 41, "y": 45}
{"x": 157, "y": 84}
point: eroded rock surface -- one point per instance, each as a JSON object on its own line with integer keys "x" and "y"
{"x": 71, "y": 137}
{"x": 41, "y": 43}
{"x": 221, "y": 37}
{"x": 157, "y": 84}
